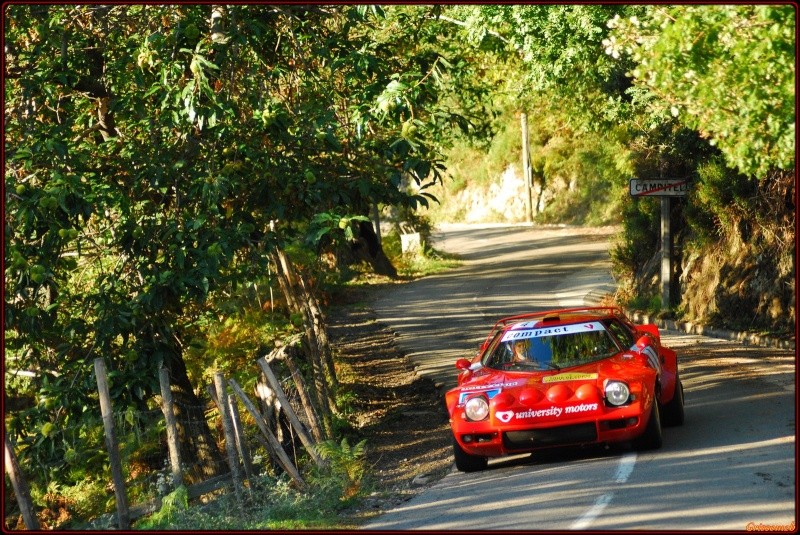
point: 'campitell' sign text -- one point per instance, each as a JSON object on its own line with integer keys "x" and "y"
{"x": 659, "y": 187}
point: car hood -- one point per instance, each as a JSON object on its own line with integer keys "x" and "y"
{"x": 557, "y": 385}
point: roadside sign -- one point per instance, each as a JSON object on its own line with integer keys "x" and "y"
{"x": 659, "y": 187}
{"x": 665, "y": 188}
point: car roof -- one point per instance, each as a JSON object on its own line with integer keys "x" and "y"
{"x": 553, "y": 318}
{"x": 563, "y": 316}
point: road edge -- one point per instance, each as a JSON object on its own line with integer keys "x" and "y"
{"x": 600, "y": 295}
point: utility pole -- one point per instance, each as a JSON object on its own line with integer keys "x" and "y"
{"x": 666, "y": 254}
{"x": 526, "y": 169}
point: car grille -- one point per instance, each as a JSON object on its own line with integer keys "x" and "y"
{"x": 553, "y": 436}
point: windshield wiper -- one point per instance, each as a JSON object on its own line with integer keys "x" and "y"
{"x": 552, "y": 366}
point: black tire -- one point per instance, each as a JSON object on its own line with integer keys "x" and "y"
{"x": 673, "y": 411}
{"x": 652, "y": 437}
{"x": 466, "y": 462}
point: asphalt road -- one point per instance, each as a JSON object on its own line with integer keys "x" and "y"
{"x": 507, "y": 270}
{"x": 731, "y": 466}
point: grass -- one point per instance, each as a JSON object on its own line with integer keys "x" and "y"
{"x": 428, "y": 261}
{"x": 647, "y": 304}
{"x": 269, "y": 503}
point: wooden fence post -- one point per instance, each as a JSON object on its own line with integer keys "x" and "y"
{"x": 230, "y": 440}
{"x": 295, "y": 421}
{"x": 303, "y": 302}
{"x": 302, "y": 391}
{"x": 20, "y": 485}
{"x": 272, "y": 443}
{"x": 172, "y": 431}
{"x": 106, "y": 410}
{"x": 241, "y": 442}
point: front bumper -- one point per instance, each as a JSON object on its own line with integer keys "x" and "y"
{"x": 487, "y": 439}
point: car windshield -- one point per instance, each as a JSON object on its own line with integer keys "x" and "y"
{"x": 524, "y": 347}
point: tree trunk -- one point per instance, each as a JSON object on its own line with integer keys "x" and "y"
{"x": 368, "y": 247}
{"x": 198, "y": 447}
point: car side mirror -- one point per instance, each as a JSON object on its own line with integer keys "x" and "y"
{"x": 463, "y": 364}
{"x": 642, "y": 342}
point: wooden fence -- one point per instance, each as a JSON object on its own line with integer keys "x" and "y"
{"x": 237, "y": 449}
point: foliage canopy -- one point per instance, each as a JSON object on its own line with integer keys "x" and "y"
{"x": 156, "y": 154}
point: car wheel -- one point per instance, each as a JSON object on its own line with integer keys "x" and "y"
{"x": 466, "y": 462}
{"x": 652, "y": 437}
{"x": 673, "y": 411}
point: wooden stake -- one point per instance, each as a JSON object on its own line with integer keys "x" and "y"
{"x": 20, "y": 485}
{"x": 230, "y": 439}
{"x": 273, "y": 445}
{"x": 241, "y": 442}
{"x": 287, "y": 407}
{"x": 172, "y": 429}
{"x": 106, "y": 410}
{"x": 302, "y": 390}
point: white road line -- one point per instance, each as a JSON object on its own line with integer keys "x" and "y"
{"x": 588, "y": 517}
{"x": 624, "y": 471}
{"x": 625, "y": 468}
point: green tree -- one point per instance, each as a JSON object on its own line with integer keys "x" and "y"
{"x": 118, "y": 197}
{"x": 148, "y": 150}
{"x": 670, "y": 91}
{"x": 562, "y": 57}
{"x": 726, "y": 71}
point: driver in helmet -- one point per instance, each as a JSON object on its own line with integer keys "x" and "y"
{"x": 520, "y": 351}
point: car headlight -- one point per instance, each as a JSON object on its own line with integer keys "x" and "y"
{"x": 476, "y": 409}
{"x": 617, "y": 393}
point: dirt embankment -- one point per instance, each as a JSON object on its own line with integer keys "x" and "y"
{"x": 400, "y": 414}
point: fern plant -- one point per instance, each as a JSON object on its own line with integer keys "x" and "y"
{"x": 345, "y": 464}
{"x": 171, "y": 505}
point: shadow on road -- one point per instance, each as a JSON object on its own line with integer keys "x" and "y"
{"x": 730, "y": 465}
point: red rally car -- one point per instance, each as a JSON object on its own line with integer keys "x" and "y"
{"x": 563, "y": 377}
